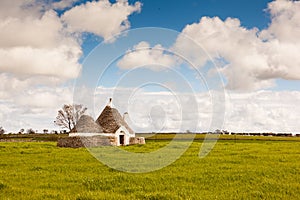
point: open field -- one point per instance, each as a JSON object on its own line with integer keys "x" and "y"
{"x": 170, "y": 136}
{"x": 242, "y": 169}
{"x": 148, "y": 136}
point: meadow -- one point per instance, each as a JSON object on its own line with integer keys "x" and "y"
{"x": 234, "y": 169}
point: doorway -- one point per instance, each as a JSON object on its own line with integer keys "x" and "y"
{"x": 121, "y": 139}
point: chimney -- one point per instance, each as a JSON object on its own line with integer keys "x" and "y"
{"x": 125, "y": 116}
{"x": 110, "y": 102}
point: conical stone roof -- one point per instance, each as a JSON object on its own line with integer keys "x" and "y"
{"x": 86, "y": 124}
{"x": 110, "y": 120}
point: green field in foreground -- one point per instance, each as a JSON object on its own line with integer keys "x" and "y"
{"x": 240, "y": 169}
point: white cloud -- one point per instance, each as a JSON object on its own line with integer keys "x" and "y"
{"x": 46, "y": 31}
{"x": 62, "y": 4}
{"x": 45, "y": 98}
{"x": 36, "y": 108}
{"x": 100, "y": 17}
{"x": 143, "y": 55}
{"x": 61, "y": 62}
{"x": 39, "y": 54}
{"x": 18, "y": 8}
{"x": 255, "y": 58}
{"x": 38, "y": 46}
{"x": 149, "y": 111}
{"x": 263, "y": 111}
{"x": 237, "y": 45}
{"x": 282, "y": 36}
{"x": 260, "y": 111}
{"x": 285, "y": 21}
{"x": 35, "y": 40}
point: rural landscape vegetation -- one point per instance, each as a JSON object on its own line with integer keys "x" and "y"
{"x": 246, "y": 168}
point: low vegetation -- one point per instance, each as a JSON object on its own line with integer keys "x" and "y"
{"x": 242, "y": 169}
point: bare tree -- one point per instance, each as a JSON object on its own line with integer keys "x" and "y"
{"x": 2, "y": 131}
{"x": 69, "y": 115}
{"x": 21, "y": 130}
{"x": 30, "y": 131}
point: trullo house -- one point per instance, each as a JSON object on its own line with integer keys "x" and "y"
{"x": 109, "y": 126}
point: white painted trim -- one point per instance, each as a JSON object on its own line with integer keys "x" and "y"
{"x": 90, "y": 134}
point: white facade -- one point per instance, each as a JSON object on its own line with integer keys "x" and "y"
{"x": 123, "y": 136}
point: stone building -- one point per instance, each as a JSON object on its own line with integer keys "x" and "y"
{"x": 109, "y": 128}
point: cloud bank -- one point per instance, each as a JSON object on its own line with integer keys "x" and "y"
{"x": 249, "y": 59}
{"x": 104, "y": 18}
{"x": 40, "y": 52}
{"x": 259, "y": 111}
{"x": 35, "y": 41}
{"x": 253, "y": 58}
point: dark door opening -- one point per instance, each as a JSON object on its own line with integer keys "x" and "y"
{"x": 121, "y": 139}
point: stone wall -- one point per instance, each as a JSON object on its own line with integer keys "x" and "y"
{"x": 137, "y": 140}
{"x": 94, "y": 141}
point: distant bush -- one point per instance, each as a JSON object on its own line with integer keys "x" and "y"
{"x": 30, "y": 131}
{"x": 21, "y": 131}
{"x": 45, "y": 131}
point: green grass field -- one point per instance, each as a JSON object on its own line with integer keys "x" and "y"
{"x": 242, "y": 169}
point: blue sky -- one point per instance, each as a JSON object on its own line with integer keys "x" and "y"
{"x": 177, "y": 14}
